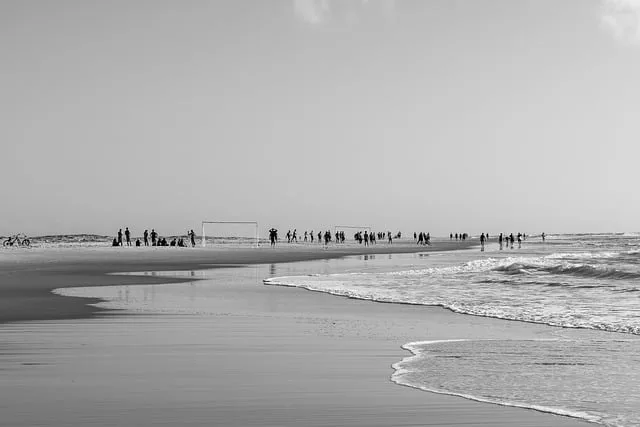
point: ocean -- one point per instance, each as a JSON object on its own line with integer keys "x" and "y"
{"x": 587, "y": 286}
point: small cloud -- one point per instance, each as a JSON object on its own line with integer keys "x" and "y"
{"x": 312, "y": 11}
{"x": 319, "y": 12}
{"x": 622, "y": 18}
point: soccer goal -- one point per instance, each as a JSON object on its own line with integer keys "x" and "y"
{"x": 230, "y": 232}
{"x": 352, "y": 227}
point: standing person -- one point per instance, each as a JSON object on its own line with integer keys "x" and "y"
{"x": 311, "y": 234}
{"x": 294, "y": 237}
{"x": 390, "y": 238}
{"x": 127, "y": 235}
{"x": 482, "y": 242}
{"x": 120, "y": 237}
{"x": 154, "y": 237}
{"x": 500, "y": 240}
{"x": 305, "y": 235}
{"x": 519, "y": 240}
{"x": 289, "y": 236}
{"x": 511, "y": 239}
{"x": 145, "y": 237}
{"x": 273, "y": 236}
{"x": 192, "y": 234}
{"x": 543, "y": 236}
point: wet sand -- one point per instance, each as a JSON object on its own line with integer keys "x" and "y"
{"x": 263, "y": 356}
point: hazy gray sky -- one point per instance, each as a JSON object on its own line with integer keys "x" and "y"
{"x": 440, "y": 116}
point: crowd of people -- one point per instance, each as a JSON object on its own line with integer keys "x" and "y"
{"x": 506, "y": 241}
{"x": 365, "y": 237}
{"x": 153, "y": 239}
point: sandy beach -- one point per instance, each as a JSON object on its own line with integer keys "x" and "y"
{"x": 263, "y": 355}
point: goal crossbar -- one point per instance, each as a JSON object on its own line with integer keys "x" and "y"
{"x": 255, "y": 223}
{"x": 353, "y": 227}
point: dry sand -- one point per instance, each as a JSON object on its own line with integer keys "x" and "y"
{"x": 270, "y": 356}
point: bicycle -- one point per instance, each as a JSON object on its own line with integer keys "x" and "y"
{"x": 18, "y": 240}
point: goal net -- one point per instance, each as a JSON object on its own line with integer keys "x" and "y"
{"x": 242, "y": 233}
{"x": 351, "y": 230}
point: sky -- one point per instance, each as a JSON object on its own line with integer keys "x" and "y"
{"x": 412, "y": 115}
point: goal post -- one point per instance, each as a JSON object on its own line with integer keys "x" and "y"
{"x": 254, "y": 223}
{"x": 352, "y": 227}
{"x": 337, "y": 228}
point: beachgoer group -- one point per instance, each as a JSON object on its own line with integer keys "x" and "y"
{"x": 156, "y": 240}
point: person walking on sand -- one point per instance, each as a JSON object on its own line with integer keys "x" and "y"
{"x": 127, "y": 236}
{"x": 482, "y": 242}
{"x": 120, "y": 237}
{"x": 145, "y": 237}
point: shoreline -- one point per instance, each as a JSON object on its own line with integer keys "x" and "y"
{"x": 28, "y": 277}
{"x": 339, "y": 350}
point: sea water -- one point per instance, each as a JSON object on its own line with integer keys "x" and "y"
{"x": 588, "y": 285}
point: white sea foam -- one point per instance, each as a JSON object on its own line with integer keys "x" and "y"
{"x": 406, "y": 367}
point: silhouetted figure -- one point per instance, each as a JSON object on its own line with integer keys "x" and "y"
{"x": 319, "y": 236}
{"x": 366, "y": 238}
{"x": 115, "y": 242}
{"x": 289, "y": 236}
{"x": 305, "y": 235}
{"x": 138, "y": 243}
{"x": 311, "y": 235}
{"x": 294, "y": 236}
{"x": 273, "y": 236}
{"x": 120, "y": 237}
{"x": 127, "y": 236}
{"x": 511, "y": 239}
{"x": 543, "y": 236}
{"x": 500, "y": 240}
{"x": 154, "y": 237}
{"x": 145, "y": 237}
{"x": 192, "y": 235}
{"x": 519, "y": 240}
{"x": 482, "y": 242}
{"x": 390, "y": 238}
